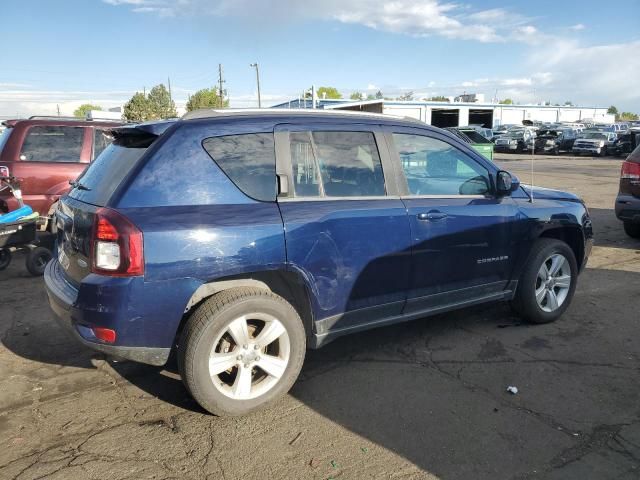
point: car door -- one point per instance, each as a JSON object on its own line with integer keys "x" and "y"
{"x": 463, "y": 238}
{"x": 346, "y": 229}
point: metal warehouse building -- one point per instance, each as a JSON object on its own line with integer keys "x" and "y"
{"x": 446, "y": 114}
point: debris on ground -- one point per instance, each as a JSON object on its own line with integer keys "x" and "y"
{"x": 512, "y": 390}
{"x": 296, "y": 438}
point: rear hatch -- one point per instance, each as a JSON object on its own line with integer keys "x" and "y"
{"x": 76, "y": 212}
{"x": 630, "y": 174}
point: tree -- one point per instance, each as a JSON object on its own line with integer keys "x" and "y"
{"x": 506, "y": 101}
{"x": 328, "y": 92}
{"x": 438, "y": 98}
{"x": 85, "y": 108}
{"x": 137, "y": 108}
{"x": 160, "y": 103}
{"x": 612, "y": 110}
{"x": 407, "y": 96}
{"x": 357, "y": 96}
{"x": 568, "y": 103}
{"x": 626, "y": 116}
{"x": 206, "y": 98}
{"x": 379, "y": 95}
{"x": 371, "y": 97}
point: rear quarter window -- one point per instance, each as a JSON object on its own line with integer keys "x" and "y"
{"x": 249, "y": 161}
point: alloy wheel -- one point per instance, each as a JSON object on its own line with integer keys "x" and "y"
{"x": 250, "y": 356}
{"x": 553, "y": 282}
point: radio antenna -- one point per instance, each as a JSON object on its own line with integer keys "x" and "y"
{"x": 533, "y": 149}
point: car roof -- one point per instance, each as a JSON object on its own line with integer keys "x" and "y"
{"x": 61, "y": 121}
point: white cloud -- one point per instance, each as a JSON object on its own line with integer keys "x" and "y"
{"x": 418, "y": 18}
{"x": 577, "y": 27}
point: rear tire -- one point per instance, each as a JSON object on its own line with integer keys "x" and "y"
{"x": 547, "y": 283}
{"x": 37, "y": 260}
{"x": 241, "y": 350}
{"x": 5, "y": 259}
{"x": 632, "y": 229}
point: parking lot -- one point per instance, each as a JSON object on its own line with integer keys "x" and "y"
{"x": 425, "y": 399}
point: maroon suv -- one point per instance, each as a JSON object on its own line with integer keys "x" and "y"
{"x": 44, "y": 153}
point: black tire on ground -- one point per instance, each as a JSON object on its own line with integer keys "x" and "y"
{"x": 632, "y": 229}
{"x": 603, "y": 151}
{"x": 524, "y": 302}
{"x": 37, "y": 260}
{"x": 212, "y": 318}
{"x": 5, "y": 258}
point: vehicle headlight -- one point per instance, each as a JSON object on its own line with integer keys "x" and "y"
{"x": 513, "y": 142}
{"x": 602, "y": 143}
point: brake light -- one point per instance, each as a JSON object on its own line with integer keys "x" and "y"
{"x": 4, "y": 171}
{"x": 630, "y": 171}
{"x": 116, "y": 246}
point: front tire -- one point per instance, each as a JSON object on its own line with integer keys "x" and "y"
{"x": 241, "y": 350}
{"x": 632, "y": 229}
{"x": 547, "y": 283}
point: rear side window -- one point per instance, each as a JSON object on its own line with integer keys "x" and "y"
{"x": 52, "y": 144}
{"x": 248, "y": 160}
{"x": 336, "y": 164}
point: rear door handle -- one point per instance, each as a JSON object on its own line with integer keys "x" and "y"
{"x": 432, "y": 216}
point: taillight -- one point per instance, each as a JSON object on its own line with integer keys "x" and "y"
{"x": 116, "y": 245}
{"x": 630, "y": 171}
{"x": 4, "y": 171}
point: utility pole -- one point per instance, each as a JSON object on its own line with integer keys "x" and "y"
{"x": 58, "y": 107}
{"x": 258, "y": 82}
{"x": 169, "y": 86}
{"x": 220, "y": 89}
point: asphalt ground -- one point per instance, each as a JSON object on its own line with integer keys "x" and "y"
{"x": 425, "y": 399}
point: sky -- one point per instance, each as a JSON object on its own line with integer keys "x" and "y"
{"x": 68, "y": 52}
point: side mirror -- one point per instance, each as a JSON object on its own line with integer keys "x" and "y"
{"x": 506, "y": 183}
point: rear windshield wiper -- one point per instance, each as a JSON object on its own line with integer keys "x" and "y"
{"x": 78, "y": 185}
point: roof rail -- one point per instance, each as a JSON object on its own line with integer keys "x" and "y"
{"x": 77, "y": 119}
{"x": 229, "y": 112}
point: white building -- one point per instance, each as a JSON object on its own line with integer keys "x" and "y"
{"x": 456, "y": 114}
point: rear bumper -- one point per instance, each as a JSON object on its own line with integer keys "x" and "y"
{"x": 628, "y": 208}
{"x": 63, "y": 300}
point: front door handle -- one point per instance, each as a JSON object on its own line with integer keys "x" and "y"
{"x": 432, "y": 216}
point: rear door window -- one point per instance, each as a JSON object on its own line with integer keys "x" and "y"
{"x": 53, "y": 144}
{"x": 336, "y": 164}
{"x": 249, "y": 161}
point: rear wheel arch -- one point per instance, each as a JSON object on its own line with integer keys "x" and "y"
{"x": 286, "y": 284}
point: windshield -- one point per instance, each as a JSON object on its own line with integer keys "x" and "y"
{"x": 4, "y": 136}
{"x": 549, "y": 133}
{"x": 474, "y": 136}
{"x": 595, "y": 135}
{"x": 516, "y": 134}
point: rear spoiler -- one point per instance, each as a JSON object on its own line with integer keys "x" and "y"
{"x": 140, "y": 134}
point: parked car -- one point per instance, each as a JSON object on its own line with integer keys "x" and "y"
{"x": 45, "y": 153}
{"x": 594, "y": 142}
{"x": 474, "y": 138}
{"x": 515, "y": 140}
{"x": 626, "y": 142}
{"x": 238, "y": 239}
{"x": 555, "y": 140}
{"x": 628, "y": 200}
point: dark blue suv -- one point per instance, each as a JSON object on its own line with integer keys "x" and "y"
{"x": 239, "y": 238}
